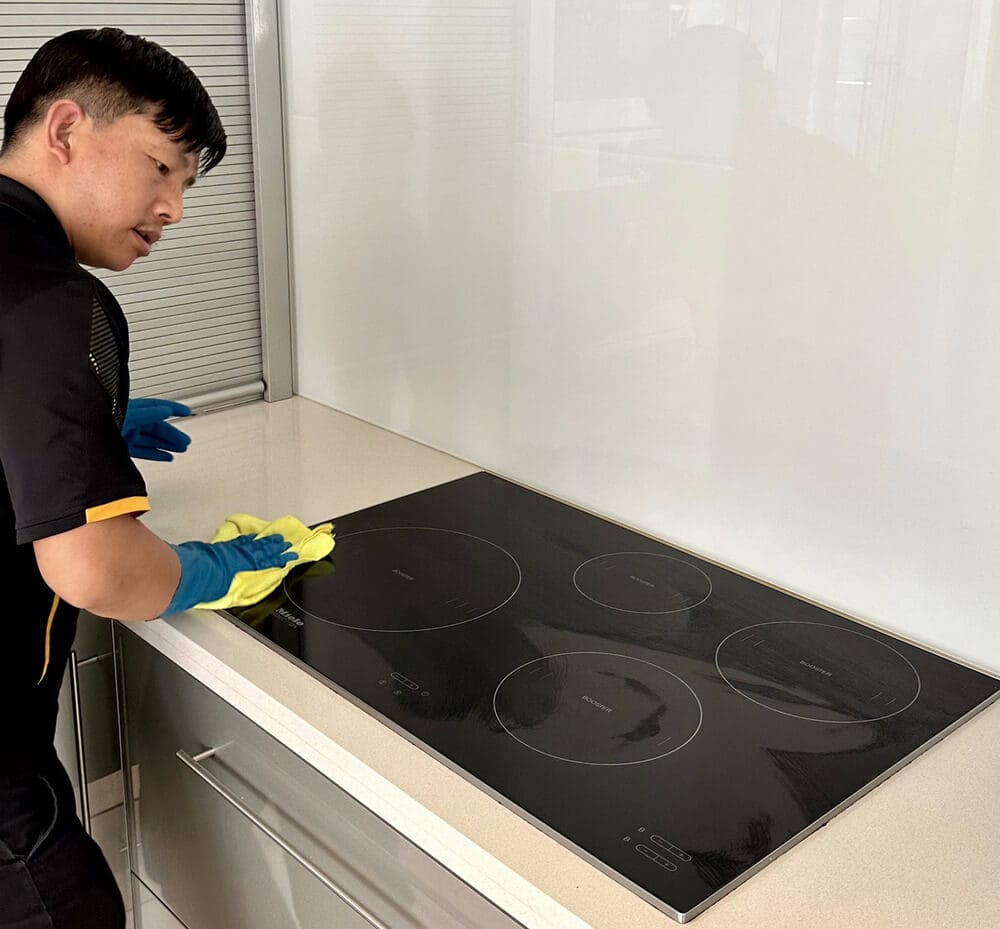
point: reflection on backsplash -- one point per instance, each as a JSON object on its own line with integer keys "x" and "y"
{"x": 721, "y": 269}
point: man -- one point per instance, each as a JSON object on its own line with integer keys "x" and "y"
{"x": 103, "y": 134}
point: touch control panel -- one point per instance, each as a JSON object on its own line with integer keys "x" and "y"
{"x": 657, "y": 849}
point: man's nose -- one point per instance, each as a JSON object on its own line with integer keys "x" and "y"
{"x": 170, "y": 209}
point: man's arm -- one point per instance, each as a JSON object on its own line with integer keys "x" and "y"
{"x": 115, "y": 568}
{"x": 119, "y": 569}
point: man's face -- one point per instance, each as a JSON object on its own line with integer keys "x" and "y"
{"x": 127, "y": 182}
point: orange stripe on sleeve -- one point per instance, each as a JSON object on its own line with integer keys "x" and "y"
{"x": 117, "y": 508}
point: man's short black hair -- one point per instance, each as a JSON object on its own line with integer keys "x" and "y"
{"x": 113, "y": 74}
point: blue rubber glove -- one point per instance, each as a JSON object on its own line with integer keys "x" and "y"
{"x": 148, "y": 434}
{"x": 208, "y": 568}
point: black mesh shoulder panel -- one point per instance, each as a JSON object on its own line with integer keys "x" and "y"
{"x": 106, "y": 357}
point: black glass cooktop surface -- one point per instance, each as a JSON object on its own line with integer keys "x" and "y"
{"x": 676, "y": 723}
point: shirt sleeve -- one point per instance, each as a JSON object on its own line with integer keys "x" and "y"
{"x": 64, "y": 458}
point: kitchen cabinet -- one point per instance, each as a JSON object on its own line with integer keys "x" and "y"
{"x": 231, "y": 830}
{"x": 87, "y": 744}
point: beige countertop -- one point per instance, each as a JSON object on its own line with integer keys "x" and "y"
{"x": 919, "y": 851}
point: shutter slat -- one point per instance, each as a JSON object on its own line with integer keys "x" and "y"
{"x": 188, "y": 381}
{"x": 220, "y": 251}
{"x": 171, "y": 263}
{"x": 142, "y": 334}
{"x": 202, "y": 355}
{"x": 184, "y": 284}
{"x": 230, "y": 335}
{"x": 176, "y": 272}
{"x": 158, "y": 30}
{"x": 131, "y": 21}
{"x": 211, "y": 306}
{"x": 26, "y": 45}
{"x": 225, "y": 197}
{"x": 231, "y": 220}
{"x": 212, "y": 206}
{"x": 232, "y": 291}
{"x": 208, "y": 238}
{"x": 209, "y": 187}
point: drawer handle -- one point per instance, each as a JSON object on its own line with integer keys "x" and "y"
{"x": 81, "y": 764}
{"x": 229, "y": 797}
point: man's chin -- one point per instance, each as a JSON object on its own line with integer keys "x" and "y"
{"x": 108, "y": 262}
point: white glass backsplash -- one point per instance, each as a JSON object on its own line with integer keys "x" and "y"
{"x": 724, "y": 270}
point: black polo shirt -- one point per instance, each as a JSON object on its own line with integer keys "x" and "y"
{"x": 63, "y": 461}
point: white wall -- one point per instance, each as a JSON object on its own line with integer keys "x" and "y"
{"x": 725, "y": 270}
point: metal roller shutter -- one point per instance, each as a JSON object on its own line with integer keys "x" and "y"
{"x": 193, "y": 306}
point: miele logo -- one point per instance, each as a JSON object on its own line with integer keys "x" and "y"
{"x": 288, "y": 617}
{"x": 593, "y": 702}
{"x": 640, "y": 580}
{"x": 815, "y": 667}
{"x": 402, "y": 574}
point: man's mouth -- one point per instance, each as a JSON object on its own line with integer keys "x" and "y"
{"x": 148, "y": 237}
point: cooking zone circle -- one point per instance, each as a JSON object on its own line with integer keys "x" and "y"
{"x": 641, "y": 582}
{"x": 408, "y": 579}
{"x": 817, "y": 672}
{"x": 597, "y": 708}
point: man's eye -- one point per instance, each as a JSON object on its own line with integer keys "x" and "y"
{"x": 162, "y": 168}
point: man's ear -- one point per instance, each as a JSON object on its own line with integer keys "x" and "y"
{"x": 63, "y": 119}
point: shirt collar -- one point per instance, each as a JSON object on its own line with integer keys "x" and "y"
{"x": 23, "y": 200}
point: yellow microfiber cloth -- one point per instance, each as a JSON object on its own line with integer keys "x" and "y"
{"x": 249, "y": 587}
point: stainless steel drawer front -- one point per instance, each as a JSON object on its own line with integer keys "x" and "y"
{"x": 194, "y": 764}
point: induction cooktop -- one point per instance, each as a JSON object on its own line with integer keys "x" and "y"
{"x": 677, "y": 724}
